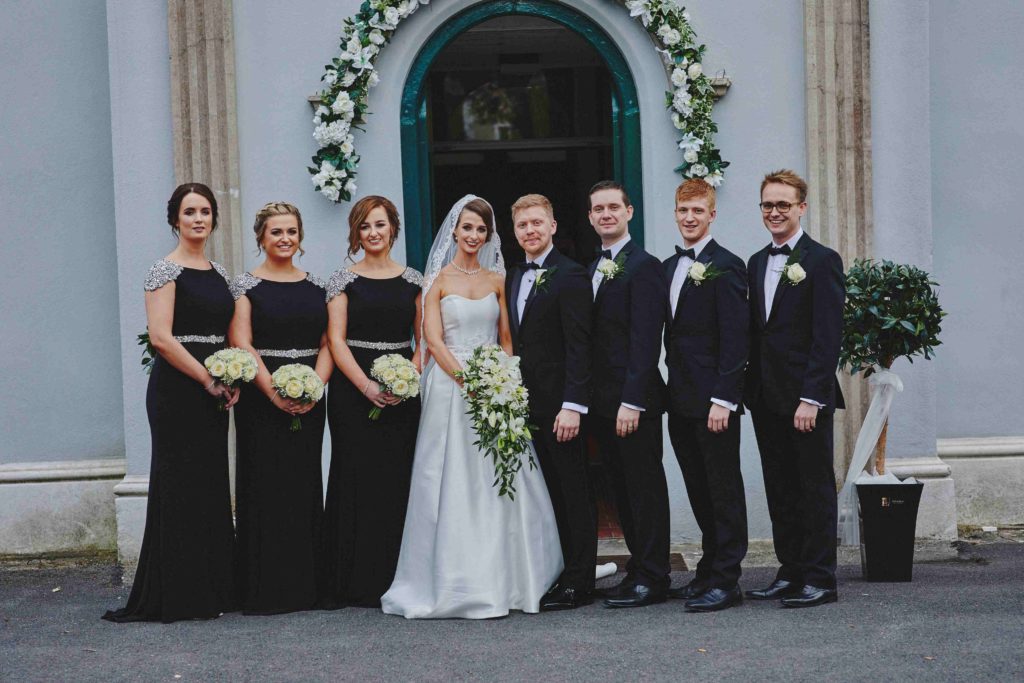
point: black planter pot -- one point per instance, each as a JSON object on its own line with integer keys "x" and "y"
{"x": 888, "y": 516}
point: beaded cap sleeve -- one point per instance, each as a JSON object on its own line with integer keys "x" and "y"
{"x": 160, "y": 273}
{"x": 413, "y": 276}
{"x": 242, "y": 284}
{"x": 222, "y": 270}
{"x": 339, "y": 280}
{"x": 316, "y": 281}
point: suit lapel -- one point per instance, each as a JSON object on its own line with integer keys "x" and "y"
{"x": 625, "y": 252}
{"x": 780, "y": 291}
{"x": 548, "y": 261}
{"x": 670, "y": 273}
{"x": 762, "y": 269}
{"x": 512, "y": 285}
{"x": 705, "y": 258}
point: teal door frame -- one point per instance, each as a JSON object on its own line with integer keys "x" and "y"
{"x": 417, "y": 181}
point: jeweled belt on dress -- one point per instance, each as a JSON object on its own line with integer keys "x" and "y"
{"x": 287, "y": 353}
{"x": 199, "y": 338}
{"x": 379, "y": 346}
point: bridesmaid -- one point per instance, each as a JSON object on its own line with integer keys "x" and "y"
{"x": 281, "y": 318}
{"x": 185, "y": 567}
{"x": 374, "y": 309}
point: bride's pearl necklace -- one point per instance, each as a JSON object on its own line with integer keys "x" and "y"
{"x": 463, "y": 270}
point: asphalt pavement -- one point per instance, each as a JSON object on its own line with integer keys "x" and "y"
{"x": 960, "y": 619}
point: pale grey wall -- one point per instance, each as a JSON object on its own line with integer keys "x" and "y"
{"x": 58, "y": 272}
{"x": 977, "y": 180}
{"x": 281, "y": 49}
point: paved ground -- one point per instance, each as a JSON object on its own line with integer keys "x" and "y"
{"x": 958, "y": 620}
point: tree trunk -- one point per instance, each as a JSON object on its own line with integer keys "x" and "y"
{"x": 880, "y": 449}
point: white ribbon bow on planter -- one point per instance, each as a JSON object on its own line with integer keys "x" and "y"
{"x": 884, "y": 386}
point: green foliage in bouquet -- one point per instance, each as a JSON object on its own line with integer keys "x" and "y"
{"x": 892, "y": 311}
{"x": 148, "y": 352}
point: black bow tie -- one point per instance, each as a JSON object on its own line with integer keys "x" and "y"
{"x": 529, "y": 265}
{"x": 784, "y": 249}
{"x": 686, "y": 252}
{"x": 606, "y": 253}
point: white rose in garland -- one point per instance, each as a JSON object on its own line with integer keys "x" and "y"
{"x": 350, "y": 75}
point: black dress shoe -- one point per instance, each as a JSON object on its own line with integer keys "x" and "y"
{"x": 688, "y": 592}
{"x": 779, "y": 588}
{"x": 811, "y": 596}
{"x": 715, "y": 599}
{"x": 624, "y": 587}
{"x": 564, "y": 597}
{"x": 636, "y": 596}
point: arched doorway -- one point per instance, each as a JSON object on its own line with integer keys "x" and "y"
{"x": 514, "y": 97}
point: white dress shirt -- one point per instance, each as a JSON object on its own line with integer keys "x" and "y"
{"x": 525, "y": 286}
{"x": 772, "y": 278}
{"x": 678, "y": 278}
{"x": 599, "y": 278}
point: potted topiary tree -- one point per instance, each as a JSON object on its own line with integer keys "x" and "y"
{"x": 892, "y": 311}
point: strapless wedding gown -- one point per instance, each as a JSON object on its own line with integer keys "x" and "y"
{"x": 466, "y": 552}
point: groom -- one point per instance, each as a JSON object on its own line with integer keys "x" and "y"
{"x": 627, "y": 400}
{"x": 548, "y": 298}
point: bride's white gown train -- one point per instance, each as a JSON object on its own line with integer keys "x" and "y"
{"x": 466, "y": 552}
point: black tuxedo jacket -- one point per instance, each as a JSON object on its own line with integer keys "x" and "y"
{"x": 706, "y": 340}
{"x": 629, "y": 316}
{"x": 553, "y": 338}
{"x": 794, "y": 353}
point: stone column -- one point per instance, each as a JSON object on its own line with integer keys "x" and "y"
{"x": 839, "y": 161}
{"x": 203, "y": 110}
{"x": 902, "y": 188}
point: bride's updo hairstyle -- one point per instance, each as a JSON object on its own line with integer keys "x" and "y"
{"x": 180, "y": 192}
{"x": 361, "y": 211}
{"x": 482, "y": 209}
{"x": 269, "y": 211}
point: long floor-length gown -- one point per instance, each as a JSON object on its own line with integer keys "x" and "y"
{"x": 185, "y": 566}
{"x": 466, "y": 552}
{"x": 278, "y": 479}
{"x": 371, "y": 460}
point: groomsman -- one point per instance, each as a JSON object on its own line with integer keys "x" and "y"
{"x": 549, "y": 303}
{"x": 706, "y": 347}
{"x": 796, "y": 299}
{"x": 627, "y": 398}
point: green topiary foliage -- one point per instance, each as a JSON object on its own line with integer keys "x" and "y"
{"x": 892, "y": 311}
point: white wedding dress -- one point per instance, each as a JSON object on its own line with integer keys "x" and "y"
{"x": 466, "y": 552}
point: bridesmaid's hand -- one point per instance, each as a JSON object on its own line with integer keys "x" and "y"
{"x": 234, "y": 395}
{"x": 225, "y": 393}
{"x": 286, "y": 404}
{"x": 375, "y": 396}
{"x": 390, "y": 399}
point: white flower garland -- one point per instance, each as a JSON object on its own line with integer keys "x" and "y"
{"x": 349, "y": 77}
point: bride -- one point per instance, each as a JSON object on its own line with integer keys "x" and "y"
{"x": 465, "y": 551}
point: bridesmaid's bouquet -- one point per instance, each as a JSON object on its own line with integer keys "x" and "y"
{"x": 493, "y": 388}
{"x": 231, "y": 366}
{"x": 300, "y": 383}
{"x": 397, "y": 375}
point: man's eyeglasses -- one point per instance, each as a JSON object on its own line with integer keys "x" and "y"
{"x": 781, "y": 207}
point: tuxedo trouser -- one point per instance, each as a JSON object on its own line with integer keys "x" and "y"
{"x": 568, "y": 479}
{"x": 714, "y": 484}
{"x": 800, "y": 485}
{"x": 637, "y": 477}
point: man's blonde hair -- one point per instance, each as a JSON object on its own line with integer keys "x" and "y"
{"x": 787, "y": 177}
{"x": 528, "y": 201}
{"x": 696, "y": 188}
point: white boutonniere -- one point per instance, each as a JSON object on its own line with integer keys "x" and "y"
{"x": 793, "y": 273}
{"x": 610, "y": 269}
{"x": 543, "y": 278}
{"x": 701, "y": 273}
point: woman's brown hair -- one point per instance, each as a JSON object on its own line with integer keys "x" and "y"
{"x": 361, "y": 211}
{"x": 481, "y": 208}
{"x": 180, "y": 192}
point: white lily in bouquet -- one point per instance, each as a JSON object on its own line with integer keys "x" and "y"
{"x": 498, "y": 405}
{"x": 300, "y": 383}
{"x": 231, "y": 366}
{"x": 397, "y": 376}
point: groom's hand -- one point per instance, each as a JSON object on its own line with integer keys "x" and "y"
{"x": 567, "y": 425}
{"x": 718, "y": 419}
{"x": 627, "y": 421}
{"x": 806, "y": 416}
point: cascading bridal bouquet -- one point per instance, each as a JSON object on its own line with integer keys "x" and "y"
{"x": 493, "y": 387}
{"x": 299, "y": 383}
{"x": 231, "y": 366}
{"x": 397, "y": 375}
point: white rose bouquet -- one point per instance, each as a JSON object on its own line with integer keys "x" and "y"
{"x": 493, "y": 388}
{"x": 300, "y": 383}
{"x": 397, "y": 375}
{"x": 231, "y": 366}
